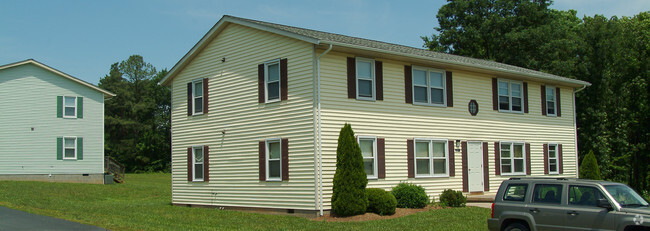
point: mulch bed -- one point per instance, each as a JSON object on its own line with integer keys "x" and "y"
{"x": 399, "y": 212}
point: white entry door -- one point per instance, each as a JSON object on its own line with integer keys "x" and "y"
{"x": 475, "y": 166}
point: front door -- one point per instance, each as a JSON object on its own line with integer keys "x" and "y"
{"x": 475, "y": 166}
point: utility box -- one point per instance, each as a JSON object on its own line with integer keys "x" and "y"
{"x": 108, "y": 178}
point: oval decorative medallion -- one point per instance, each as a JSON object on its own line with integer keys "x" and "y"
{"x": 472, "y": 107}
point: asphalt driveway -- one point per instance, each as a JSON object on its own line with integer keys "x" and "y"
{"x": 16, "y": 220}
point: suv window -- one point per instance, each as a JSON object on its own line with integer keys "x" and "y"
{"x": 515, "y": 192}
{"x": 547, "y": 193}
{"x": 584, "y": 195}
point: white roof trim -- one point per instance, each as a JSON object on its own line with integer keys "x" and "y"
{"x": 60, "y": 73}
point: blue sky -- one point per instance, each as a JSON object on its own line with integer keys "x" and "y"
{"x": 83, "y": 38}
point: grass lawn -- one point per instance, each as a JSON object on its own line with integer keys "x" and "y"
{"x": 144, "y": 203}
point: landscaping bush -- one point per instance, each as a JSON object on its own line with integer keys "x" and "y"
{"x": 381, "y": 202}
{"x": 349, "y": 190}
{"x": 589, "y": 167}
{"x": 410, "y": 196}
{"x": 453, "y": 198}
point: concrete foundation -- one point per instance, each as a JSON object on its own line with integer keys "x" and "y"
{"x": 293, "y": 212}
{"x": 95, "y": 178}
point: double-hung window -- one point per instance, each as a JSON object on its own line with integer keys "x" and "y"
{"x": 198, "y": 160}
{"x": 550, "y": 101}
{"x": 510, "y": 96}
{"x": 273, "y": 160}
{"x": 368, "y": 146}
{"x": 428, "y": 86}
{"x": 365, "y": 78}
{"x": 197, "y": 96}
{"x": 553, "y": 159}
{"x": 431, "y": 158}
{"x": 70, "y": 107}
{"x": 513, "y": 158}
{"x": 272, "y": 80}
{"x": 70, "y": 148}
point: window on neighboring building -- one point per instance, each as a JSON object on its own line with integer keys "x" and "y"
{"x": 513, "y": 160}
{"x": 70, "y": 107}
{"x": 550, "y": 101}
{"x": 198, "y": 156}
{"x": 553, "y": 159}
{"x": 272, "y": 80}
{"x": 428, "y": 86}
{"x": 365, "y": 78}
{"x": 510, "y": 96}
{"x": 369, "y": 152}
{"x": 273, "y": 160}
{"x": 431, "y": 157}
{"x": 197, "y": 95}
{"x": 70, "y": 148}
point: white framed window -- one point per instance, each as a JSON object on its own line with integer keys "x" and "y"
{"x": 431, "y": 158}
{"x": 197, "y": 159}
{"x": 550, "y": 101}
{"x": 513, "y": 158}
{"x": 272, "y": 80}
{"x": 69, "y": 106}
{"x": 197, "y": 97}
{"x": 553, "y": 159}
{"x": 365, "y": 77}
{"x": 274, "y": 160}
{"x": 429, "y": 86}
{"x": 70, "y": 148}
{"x": 368, "y": 146}
{"x": 510, "y": 96}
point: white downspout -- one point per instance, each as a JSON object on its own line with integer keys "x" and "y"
{"x": 575, "y": 129}
{"x": 320, "y": 138}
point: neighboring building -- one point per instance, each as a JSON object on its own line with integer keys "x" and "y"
{"x": 246, "y": 125}
{"x": 51, "y": 125}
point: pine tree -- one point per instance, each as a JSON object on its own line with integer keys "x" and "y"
{"x": 349, "y": 190}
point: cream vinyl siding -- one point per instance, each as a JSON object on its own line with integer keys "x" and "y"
{"x": 234, "y": 108}
{"x": 397, "y": 121}
{"x": 28, "y": 99}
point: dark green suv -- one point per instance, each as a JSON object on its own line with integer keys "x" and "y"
{"x": 567, "y": 204}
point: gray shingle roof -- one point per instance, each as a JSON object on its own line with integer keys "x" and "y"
{"x": 325, "y": 37}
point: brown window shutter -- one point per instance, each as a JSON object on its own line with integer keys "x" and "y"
{"x": 206, "y": 163}
{"x": 189, "y": 164}
{"x": 543, "y": 89}
{"x": 528, "y": 170}
{"x": 495, "y": 95}
{"x": 410, "y": 158}
{"x": 262, "y": 151}
{"x": 525, "y": 97}
{"x": 497, "y": 159}
{"x": 559, "y": 159}
{"x": 285, "y": 159}
{"x": 452, "y": 159}
{"x": 379, "y": 78}
{"x": 189, "y": 99}
{"x": 408, "y": 84}
{"x": 450, "y": 90}
{"x": 352, "y": 78}
{"x": 205, "y": 95}
{"x": 558, "y": 110}
{"x": 381, "y": 158}
{"x": 545, "y": 149}
{"x": 486, "y": 168}
{"x": 465, "y": 169}
{"x": 283, "y": 80}
{"x": 260, "y": 83}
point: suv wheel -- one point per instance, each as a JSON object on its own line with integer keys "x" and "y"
{"x": 516, "y": 227}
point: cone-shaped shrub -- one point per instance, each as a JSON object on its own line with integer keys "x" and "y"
{"x": 349, "y": 190}
{"x": 589, "y": 167}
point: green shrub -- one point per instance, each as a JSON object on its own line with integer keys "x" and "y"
{"x": 589, "y": 167}
{"x": 381, "y": 202}
{"x": 349, "y": 190}
{"x": 453, "y": 198}
{"x": 410, "y": 196}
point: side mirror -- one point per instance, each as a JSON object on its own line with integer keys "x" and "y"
{"x": 604, "y": 203}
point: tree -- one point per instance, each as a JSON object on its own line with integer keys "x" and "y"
{"x": 349, "y": 190}
{"x": 589, "y": 167}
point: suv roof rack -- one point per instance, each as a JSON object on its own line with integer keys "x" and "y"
{"x": 539, "y": 178}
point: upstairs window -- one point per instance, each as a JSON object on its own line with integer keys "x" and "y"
{"x": 550, "y": 101}
{"x": 197, "y": 97}
{"x": 369, "y": 152}
{"x": 510, "y": 96}
{"x": 365, "y": 78}
{"x": 69, "y": 107}
{"x": 428, "y": 86}
{"x": 513, "y": 158}
{"x": 272, "y": 80}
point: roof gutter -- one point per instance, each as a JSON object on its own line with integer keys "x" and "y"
{"x": 575, "y": 129}
{"x": 320, "y": 131}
